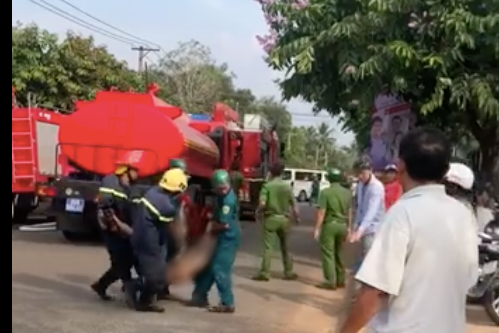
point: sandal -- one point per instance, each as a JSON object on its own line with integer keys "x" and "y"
{"x": 196, "y": 304}
{"x": 221, "y": 309}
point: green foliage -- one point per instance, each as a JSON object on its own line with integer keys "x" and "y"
{"x": 441, "y": 56}
{"x": 315, "y": 148}
{"x": 59, "y": 72}
{"x": 191, "y": 78}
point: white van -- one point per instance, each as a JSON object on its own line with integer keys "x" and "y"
{"x": 301, "y": 181}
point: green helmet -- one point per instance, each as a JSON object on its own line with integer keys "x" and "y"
{"x": 177, "y": 163}
{"x": 220, "y": 178}
{"x": 334, "y": 175}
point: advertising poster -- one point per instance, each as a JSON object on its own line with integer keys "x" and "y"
{"x": 391, "y": 119}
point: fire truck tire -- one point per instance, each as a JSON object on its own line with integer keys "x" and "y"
{"x": 19, "y": 214}
{"x": 75, "y": 237}
{"x": 302, "y": 196}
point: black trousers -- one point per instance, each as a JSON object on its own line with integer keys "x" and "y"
{"x": 172, "y": 248}
{"x": 121, "y": 258}
{"x": 151, "y": 255}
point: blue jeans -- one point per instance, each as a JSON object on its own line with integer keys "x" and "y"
{"x": 365, "y": 242}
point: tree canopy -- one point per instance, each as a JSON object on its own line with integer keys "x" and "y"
{"x": 191, "y": 78}
{"x": 441, "y": 56}
{"x": 58, "y": 72}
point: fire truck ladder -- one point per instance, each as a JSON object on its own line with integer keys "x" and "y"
{"x": 23, "y": 147}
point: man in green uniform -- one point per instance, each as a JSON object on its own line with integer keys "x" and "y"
{"x": 226, "y": 226}
{"x": 277, "y": 207}
{"x": 177, "y": 163}
{"x": 331, "y": 229}
{"x": 314, "y": 193}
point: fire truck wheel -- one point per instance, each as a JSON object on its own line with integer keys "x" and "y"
{"x": 302, "y": 196}
{"x": 19, "y": 214}
{"x": 73, "y": 237}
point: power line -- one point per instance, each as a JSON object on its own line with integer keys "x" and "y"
{"x": 142, "y": 40}
{"x": 132, "y": 42}
{"x": 151, "y": 62}
{"x": 64, "y": 14}
{"x": 308, "y": 115}
{"x": 143, "y": 52}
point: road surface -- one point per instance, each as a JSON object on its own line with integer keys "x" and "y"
{"x": 50, "y": 293}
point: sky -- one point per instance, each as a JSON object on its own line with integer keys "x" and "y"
{"x": 228, "y": 27}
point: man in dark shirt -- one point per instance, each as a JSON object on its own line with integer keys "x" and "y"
{"x": 172, "y": 243}
{"x": 152, "y": 228}
{"x": 115, "y": 222}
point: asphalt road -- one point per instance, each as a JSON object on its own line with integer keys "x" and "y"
{"x": 50, "y": 293}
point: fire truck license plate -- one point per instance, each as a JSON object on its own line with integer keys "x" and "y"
{"x": 75, "y": 205}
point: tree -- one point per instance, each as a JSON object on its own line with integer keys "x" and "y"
{"x": 59, "y": 72}
{"x": 241, "y": 100}
{"x": 275, "y": 112}
{"x": 326, "y": 144}
{"x": 441, "y": 56}
{"x": 191, "y": 78}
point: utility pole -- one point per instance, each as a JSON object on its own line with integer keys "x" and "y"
{"x": 143, "y": 52}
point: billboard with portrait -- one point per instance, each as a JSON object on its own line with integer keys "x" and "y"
{"x": 391, "y": 119}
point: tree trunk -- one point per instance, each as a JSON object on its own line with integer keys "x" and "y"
{"x": 490, "y": 163}
{"x": 317, "y": 152}
{"x": 486, "y": 133}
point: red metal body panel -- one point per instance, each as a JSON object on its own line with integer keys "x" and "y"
{"x": 251, "y": 159}
{"x": 95, "y": 136}
{"x": 25, "y": 155}
{"x": 223, "y": 113}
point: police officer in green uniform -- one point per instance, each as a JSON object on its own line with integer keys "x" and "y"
{"x": 331, "y": 229}
{"x": 277, "y": 208}
{"x": 315, "y": 190}
{"x": 225, "y": 226}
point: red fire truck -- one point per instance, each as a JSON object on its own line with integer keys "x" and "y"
{"x": 100, "y": 131}
{"x": 34, "y": 160}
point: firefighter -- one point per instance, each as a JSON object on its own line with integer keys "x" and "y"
{"x": 151, "y": 231}
{"x": 226, "y": 226}
{"x": 331, "y": 229}
{"x": 278, "y": 208}
{"x": 172, "y": 243}
{"x": 115, "y": 222}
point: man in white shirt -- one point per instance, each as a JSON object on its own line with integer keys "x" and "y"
{"x": 424, "y": 257}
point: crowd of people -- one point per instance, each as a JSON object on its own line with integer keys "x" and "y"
{"x": 140, "y": 233}
{"x": 415, "y": 224}
{"x": 417, "y": 232}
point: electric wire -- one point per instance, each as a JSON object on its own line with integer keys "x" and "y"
{"x": 134, "y": 37}
{"x": 64, "y": 14}
{"x": 132, "y": 40}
